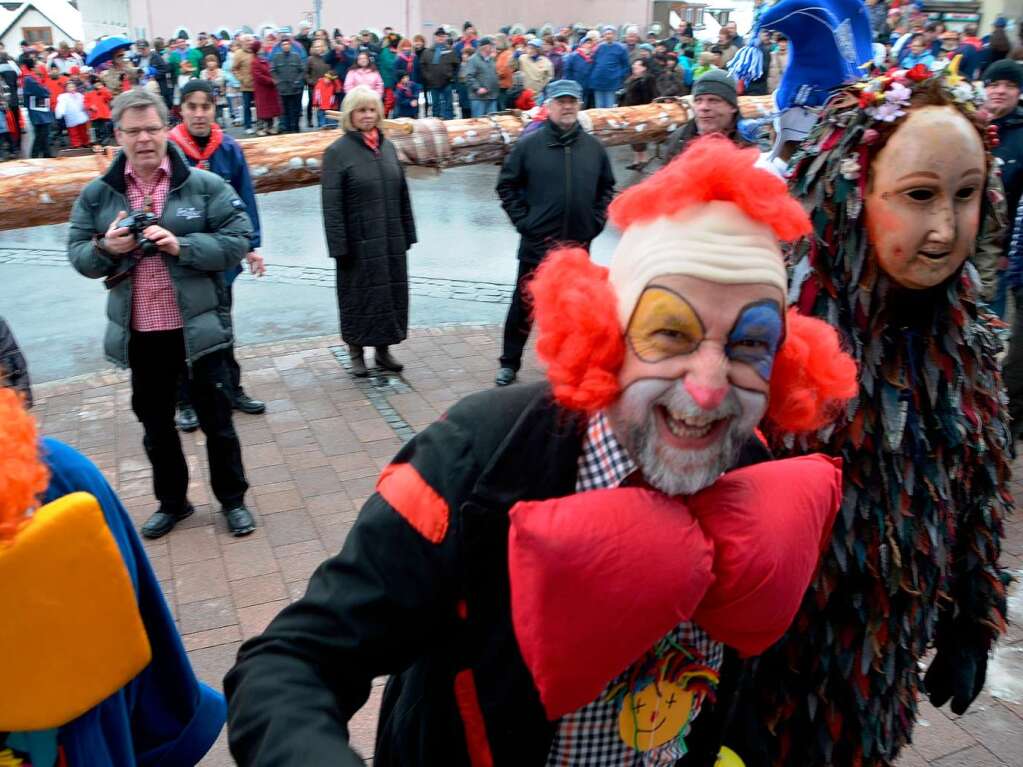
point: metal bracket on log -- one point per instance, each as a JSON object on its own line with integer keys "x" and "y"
{"x": 36, "y": 192}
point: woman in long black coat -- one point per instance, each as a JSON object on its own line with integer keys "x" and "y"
{"x": 368, "y": 220}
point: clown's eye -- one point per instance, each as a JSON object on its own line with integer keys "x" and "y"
{"x": 751, "y": 344}
{"x": 966, "y": 193}
{"x": 673, "y": 333}
{"x": 921, "y": 195}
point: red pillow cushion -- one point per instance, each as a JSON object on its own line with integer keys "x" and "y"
{"x": 769, "y": 523}
{"x": 597, "y": 578}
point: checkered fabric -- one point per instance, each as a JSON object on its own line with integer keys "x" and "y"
{"x": 154, "y": 306}
{"x": 604, "y": 462}
{"x": 589, "y": 737}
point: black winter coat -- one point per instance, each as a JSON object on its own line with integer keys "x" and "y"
{"x": 368, "y": 220}
{"x": 1010, "y": 152}
{"x": 639, "y": 90}
{"x": 443, "y": 73}
{"x": 555, "y": 188}
{"x": 430, "y": 614}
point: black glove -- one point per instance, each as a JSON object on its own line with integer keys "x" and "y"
{"x": 958, "y": 670}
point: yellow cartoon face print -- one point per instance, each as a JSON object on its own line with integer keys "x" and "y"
{"x": 654, "y": 715}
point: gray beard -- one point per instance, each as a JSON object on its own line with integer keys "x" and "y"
{"x": 668, "y": 469}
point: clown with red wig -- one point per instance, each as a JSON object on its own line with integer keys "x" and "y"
{"x": 569, "y": 573}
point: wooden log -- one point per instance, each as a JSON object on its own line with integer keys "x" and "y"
{"x": 35, "y": 192}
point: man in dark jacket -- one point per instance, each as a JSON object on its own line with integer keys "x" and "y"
{"x": 439, "y": 66}
{"x": 716, "y": 106}
{"x": 1002, "y": 83}
{"x": 207, "y": 147}
{"x": 493, "y": 573}
{"x": 40, "y": 112}
{"x": 167, "y": 303}
{"x": 555, "y": 187}
{"x": 288, "y": 71}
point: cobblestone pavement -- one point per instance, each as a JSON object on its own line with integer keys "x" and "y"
{"x": 310, "y": 276}
{"x": 313, "y": 459}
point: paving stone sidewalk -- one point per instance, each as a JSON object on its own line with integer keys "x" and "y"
{"x": 313, "y": 459}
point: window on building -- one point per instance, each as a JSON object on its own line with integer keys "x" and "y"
{"x": 38, "y": 35}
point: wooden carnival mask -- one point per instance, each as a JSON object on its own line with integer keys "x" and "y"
{"x": 924, "y": 197}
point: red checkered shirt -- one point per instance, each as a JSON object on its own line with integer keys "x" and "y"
{"x": 154, "y": 305}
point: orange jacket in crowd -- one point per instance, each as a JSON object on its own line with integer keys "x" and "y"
{"x": 97, "y": 102}
{"x": 56, "y": 87}
{"x": 505, "y": 67}
{"x": 325, "y": 92}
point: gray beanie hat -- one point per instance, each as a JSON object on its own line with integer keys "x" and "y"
{"x": 716, "y": 82}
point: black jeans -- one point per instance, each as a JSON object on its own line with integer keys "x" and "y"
{"x": 309, "y": 109}
{"x": 292, "y": 112}
{"x": 234, "y": 372}
{"x": 248, "y": 99}
{"x": 519, "y": 321}
{"x": 157, "y": 359}
{"x": 1012, "y": 368}
{"x": 41, "y": 141}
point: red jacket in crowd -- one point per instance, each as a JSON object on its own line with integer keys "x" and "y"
{"x": 325, "y": 93}
{"x": 97, "y": 102}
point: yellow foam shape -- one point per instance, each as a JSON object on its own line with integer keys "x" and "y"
{"x": 728, "y": 758}
{"x": 70, "y": 630}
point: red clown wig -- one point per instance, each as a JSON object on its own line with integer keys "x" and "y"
{"x": 23, "y": 476}
{"x": 575, "y": 307}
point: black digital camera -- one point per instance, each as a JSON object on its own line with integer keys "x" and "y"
{"x": 138, "y": 221}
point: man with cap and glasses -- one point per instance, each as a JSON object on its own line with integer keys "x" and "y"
{"x": 555, "y": 187}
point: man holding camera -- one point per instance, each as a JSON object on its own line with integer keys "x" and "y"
{"x": 168, "y": 308}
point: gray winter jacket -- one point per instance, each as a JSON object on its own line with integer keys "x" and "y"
{"x": 288, "y": 70}
{"x": 482, "y": 73}
{"x": 213, "y": 229}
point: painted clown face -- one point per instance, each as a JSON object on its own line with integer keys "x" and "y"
{"x": 923, "y": 202}
{"x": 696, "y": 377}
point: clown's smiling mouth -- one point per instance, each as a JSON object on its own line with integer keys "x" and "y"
{"x": 655, "y": 728}
{"x": 689, "y": 427}
{"x": 935, "y": 256}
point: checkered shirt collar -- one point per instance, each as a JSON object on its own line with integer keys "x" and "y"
{"x": 164, "y": 169}
{"x": 604, "y": 461}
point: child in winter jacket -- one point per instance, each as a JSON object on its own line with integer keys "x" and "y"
{"x": 97, "y": 104}
{"x": 325, "y": 94}
{"x": 407, "y": 96}
{"x": 71, "y": 109}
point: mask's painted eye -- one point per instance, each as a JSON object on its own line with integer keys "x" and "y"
{"x": 920, "y": 195}
{"x": 966, "y": 193}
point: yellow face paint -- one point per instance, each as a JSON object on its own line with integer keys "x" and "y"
{"x": 663, "y": 325}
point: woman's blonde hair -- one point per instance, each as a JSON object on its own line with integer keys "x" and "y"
{"x": 357, "y": 98}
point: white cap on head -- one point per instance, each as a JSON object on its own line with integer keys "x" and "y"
{"x": 716, "y": 241}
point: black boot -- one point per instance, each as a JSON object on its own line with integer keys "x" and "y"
{"x": 386, "y": 361}
{"x": 359, "y": 369}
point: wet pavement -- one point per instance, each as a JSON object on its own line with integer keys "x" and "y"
{"x": 313, "y": 459}
{"x": 461, "y": 270}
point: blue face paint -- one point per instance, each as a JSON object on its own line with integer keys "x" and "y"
{"x": 755, "y": 338}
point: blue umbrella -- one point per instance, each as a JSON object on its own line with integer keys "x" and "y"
{"x": 104, "y": 50}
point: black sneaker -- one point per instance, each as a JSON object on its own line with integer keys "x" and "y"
{"x": 186, "y": 419}
{"x": 163, "y": 522}
{"x": 505, "y": 376}
{"x": 239, "y": 521}
{"x": 246, "y": 404}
